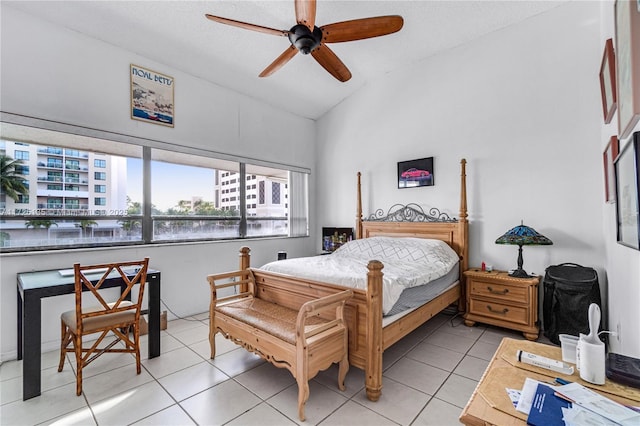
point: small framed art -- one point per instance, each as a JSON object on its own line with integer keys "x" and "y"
{"x": 608, "y": 156}
{"x": 415, "y": 173}
{"x": 627, "y": 186}
{"x": 608, "y": 81}
{"x": 151, "y": 96}
{"x": 627, "y": 20}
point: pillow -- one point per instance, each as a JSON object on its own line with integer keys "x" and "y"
{"x": 402, "y": 249}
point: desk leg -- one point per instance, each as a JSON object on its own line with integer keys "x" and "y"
{"x": 154, "y": 315}
{"x": 19, "y": 325}
{"x": 31, "y": 363}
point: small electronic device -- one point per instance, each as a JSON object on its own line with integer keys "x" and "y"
{"x": 623, "y": 369}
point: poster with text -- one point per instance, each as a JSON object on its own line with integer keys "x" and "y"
{"x": 151, "y": 96}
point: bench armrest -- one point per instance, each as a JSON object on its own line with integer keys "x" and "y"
{"x": 314, "y": 307}
{"x": 243, "y": 281}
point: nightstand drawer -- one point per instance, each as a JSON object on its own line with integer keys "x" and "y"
{"x": 500, "y": 311}
{"x": 500, "y": 291}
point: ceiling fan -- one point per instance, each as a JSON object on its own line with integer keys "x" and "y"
{"x": 307, "y": 38}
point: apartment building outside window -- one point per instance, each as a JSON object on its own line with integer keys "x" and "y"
{"x": 72, "y": 185}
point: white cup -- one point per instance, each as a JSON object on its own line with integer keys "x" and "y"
{"x": 590, "y": 361}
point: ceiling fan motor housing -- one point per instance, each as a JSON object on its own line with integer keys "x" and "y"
{"x": 304, "y": 39}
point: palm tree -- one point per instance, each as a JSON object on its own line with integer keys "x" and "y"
{"x": 85, "y": 224}
{"x": 40, "y": 223}
{"x": 11, "y": 182}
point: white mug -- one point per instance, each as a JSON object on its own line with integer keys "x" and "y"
{"x": 590, "y": 361}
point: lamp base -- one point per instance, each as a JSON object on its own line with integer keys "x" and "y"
{"x": 519, "y": 273}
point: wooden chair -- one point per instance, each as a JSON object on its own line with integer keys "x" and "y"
{"x": 112, "y": 320}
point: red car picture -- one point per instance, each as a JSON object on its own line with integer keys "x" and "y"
{"x": 414, "y": 173}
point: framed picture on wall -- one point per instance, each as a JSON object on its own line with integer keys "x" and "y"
{"x": 151, "y": 96}
{"x": 627, "y": 20}
{"x": 608, "y": 157}
{"x": 627, "y": 186}
{"x": 608, "y": 81}
{"x": 415, "y": 173}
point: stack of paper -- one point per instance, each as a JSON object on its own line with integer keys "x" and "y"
{"x": 571, "y": 404}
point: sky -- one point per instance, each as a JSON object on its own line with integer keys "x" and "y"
{"x": 170, "y": 183}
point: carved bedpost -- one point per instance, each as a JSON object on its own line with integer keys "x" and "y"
{"x": 373, "y": 366}
{"x": 245, "y": 263}
{"x": 464, "y": 233}
{"x": 359, "y": 212}
{"x": 463, "y": 190}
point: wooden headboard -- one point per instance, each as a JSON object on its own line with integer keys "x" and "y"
{"x": 411, "y": 221}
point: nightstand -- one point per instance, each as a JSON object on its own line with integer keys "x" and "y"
{"x": 498, "y": 299}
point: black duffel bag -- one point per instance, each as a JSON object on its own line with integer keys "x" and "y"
{"x": 569, "y": 289}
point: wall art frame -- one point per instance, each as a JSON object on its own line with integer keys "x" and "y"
{"x": 627, "y": 31}
{"x": 416, "y": 173}
{"x": 627, "y": 197}
{"x": 608, "y": 157}
{"x": 151, "y": 96}
{"x": 608, "y": 81}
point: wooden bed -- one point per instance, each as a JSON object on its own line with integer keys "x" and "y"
{"x": 368, "y": 338}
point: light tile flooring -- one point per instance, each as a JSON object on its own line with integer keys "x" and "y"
{"x": 428, "y": 378}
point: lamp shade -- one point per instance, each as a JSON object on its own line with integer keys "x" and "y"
{"x": 523, "y": 235}
{"x": 520, "y": 236}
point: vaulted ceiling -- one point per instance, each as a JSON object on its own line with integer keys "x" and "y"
{"x": 177, "y": 34}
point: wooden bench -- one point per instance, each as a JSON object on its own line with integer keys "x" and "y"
{"x": 304, "y": 341}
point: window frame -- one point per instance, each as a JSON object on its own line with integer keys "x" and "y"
{"x": 146, "y": 219}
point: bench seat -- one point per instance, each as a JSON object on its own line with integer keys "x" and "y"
{"x": 304, "y": 341}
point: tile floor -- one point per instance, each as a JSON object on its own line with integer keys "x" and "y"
{"x": 428, "y": 378}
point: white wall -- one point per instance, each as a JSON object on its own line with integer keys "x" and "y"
{"x": 522, "y": 105}
{"x": 52, "y": 73}
{"x": 622, "y": 263}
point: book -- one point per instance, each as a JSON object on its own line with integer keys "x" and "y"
{"x": 546, "y": 409}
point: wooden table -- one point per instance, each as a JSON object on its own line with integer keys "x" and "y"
{"x": 489, "y": 403}
{"x": 33, "y": 286}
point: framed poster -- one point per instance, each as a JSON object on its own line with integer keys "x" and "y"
{"x": 627, "y": 14}
{"x": 608, "y": 81}
{"x": 415, "y": 173}
{"x": 151, "y": 96}
{"x": 627, "y": 186}
{"x": 608, "y": 157}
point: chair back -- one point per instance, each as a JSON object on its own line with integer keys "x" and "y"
{"x": 90, "y": 278}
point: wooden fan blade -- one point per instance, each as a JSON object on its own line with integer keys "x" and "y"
{"x": 331, "y": 63}
{"x": 359, "y": 29}
{"x": 280, "y": 61}
{"x": 247, "y": 26}
{"x": 306, "y": 13}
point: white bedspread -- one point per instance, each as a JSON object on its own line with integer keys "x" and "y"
{"x": 408, "y": 262}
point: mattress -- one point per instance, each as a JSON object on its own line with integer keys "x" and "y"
{"x": 408, "y": 263}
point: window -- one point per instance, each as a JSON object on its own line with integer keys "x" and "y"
{"x": 261, "y": 192}
{"x": 53, "y": 176}
{"x": 54, "y": 163}
{"x": 73, "y": 178}
{"x": 275, "y": 193}
{"x": 21, "y": 155}
{"x": 22, "y": 170}
{"x": 72, "y": 164}
{"x": 192, "y": 195}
